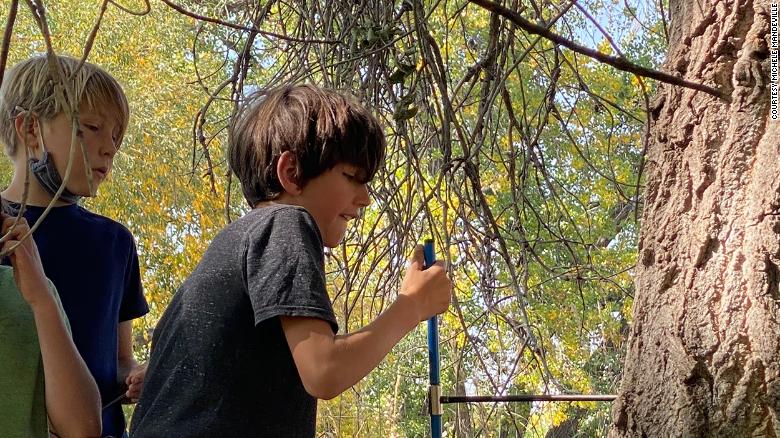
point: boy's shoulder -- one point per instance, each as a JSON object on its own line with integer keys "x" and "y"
{"x": 65, "y": 217}
{"x": 273, "y": 221}
{"x": 103, "y": 222}
{"x": 276, "y": 215}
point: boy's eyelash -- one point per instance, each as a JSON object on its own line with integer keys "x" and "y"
{"x": 89, "y": 127}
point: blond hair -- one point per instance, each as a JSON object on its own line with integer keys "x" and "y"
{"x": 29, "y": 87}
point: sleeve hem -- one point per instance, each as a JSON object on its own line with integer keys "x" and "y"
{"x": 313, "y": 312}
{"x": 133, "y": 315}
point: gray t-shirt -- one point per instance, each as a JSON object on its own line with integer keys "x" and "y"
{"x": 220, "y": 364}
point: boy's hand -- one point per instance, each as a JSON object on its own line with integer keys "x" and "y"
{"x": 135, "y": 382}
{"x": 430, "y": 290}
{"x": 28, "y": 270}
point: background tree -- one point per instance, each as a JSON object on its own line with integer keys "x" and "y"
{"x": 518, "y": 152}
{"x": 704, "y": 352}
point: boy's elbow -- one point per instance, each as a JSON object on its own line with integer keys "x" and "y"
{"x": 321, "y": 393}
{"x": 82, "y": 429}
{"x": 320, "y": 384}
{"x": 94, "y": 430}
{"x": 321, "y": 390}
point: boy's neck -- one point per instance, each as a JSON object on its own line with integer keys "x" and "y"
{"x": 277, "y": 201}
{"x": 264, "y": 204}
{"x": 36, "y": 195}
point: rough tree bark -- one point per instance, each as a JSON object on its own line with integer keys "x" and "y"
{"x": 703, "y": 357}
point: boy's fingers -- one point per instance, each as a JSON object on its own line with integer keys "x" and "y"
{"x": 133, "y": 391}
{"x": 8, "y": 244}
{"x": 417, "y": 260}
{"x": 20, "y": 227}
{"x": 135, "y": 377}
{"x": 7, "y": 221}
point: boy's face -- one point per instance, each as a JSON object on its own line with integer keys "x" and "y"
{"x": 98, "y": 132}
{"x": 333, "y": 199}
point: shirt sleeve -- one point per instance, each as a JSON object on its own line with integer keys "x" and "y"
{"x": 133, "y": 301}
{"x": 285, "y": 268}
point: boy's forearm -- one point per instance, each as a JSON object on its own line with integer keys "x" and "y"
{"x": 366, "y": 348}
{"x": 126, "y": 362}
{"x": 124, "y": 366}
{"x": 72, "y": 397}
{"x": 333, "y": 364}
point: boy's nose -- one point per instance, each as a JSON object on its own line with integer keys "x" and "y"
{"x": 363, "y": 197}
{"x": 108, "y": 147}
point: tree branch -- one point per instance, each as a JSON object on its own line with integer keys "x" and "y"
{"x": 9, "y": 27}
{"x": 619, "y": 63}
{"x": 243, "y": 28}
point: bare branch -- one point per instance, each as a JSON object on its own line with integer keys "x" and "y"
{"x": 9, "y": 27}
{"x": 618, "y": 62}
{"x": 147, "y": 8}
{"x": 246, "y": 29}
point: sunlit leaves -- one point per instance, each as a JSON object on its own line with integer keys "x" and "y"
{"x": 519, "y": 157}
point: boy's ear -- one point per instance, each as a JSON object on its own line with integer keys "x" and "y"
{"x": 27, "y": 130}
{"x": 287, "y": 172}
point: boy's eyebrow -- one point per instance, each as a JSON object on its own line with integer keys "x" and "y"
{"x": 354, "y": 169}
{"x": 98, "y": 116}
{"x": 361, "y": 174}
{"x": 92, "y": 113}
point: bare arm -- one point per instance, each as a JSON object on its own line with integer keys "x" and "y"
{"x": 329, "y": 364}
{"x": 129, "y": 371}
{"x": 72, "y": 397}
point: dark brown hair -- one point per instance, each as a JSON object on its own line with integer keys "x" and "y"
{"x": 320, "y": 127}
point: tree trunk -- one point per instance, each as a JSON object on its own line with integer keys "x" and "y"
{"x": 703, "y": 357}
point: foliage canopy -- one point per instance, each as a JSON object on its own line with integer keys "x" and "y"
{"x": 521, "y": 158}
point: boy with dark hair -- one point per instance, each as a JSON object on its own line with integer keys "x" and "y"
{"x": 248, "y": 343}
{"x": 91, "y": 259}
{"x": 43, "y": 380}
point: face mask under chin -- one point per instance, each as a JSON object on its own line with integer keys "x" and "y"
{"x": 47, "y": 175}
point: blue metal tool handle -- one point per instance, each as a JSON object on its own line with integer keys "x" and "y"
{"x": 434, "y": 393}
{"x": 433, "y": 327}
{"x": 436, "y": 426}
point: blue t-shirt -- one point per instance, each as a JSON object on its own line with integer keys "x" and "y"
{"x": 93, "y": 263}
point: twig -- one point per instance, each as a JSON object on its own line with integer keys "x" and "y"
{"x": 91, "y": 38}
{"x": 9, "y": 27}
{"x": 619, "y": 63}
{"x": 147, "y": 9}
{"x": 243, "y": 28}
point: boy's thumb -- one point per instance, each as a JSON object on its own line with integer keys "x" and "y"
{"x": 418, "y": 260}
